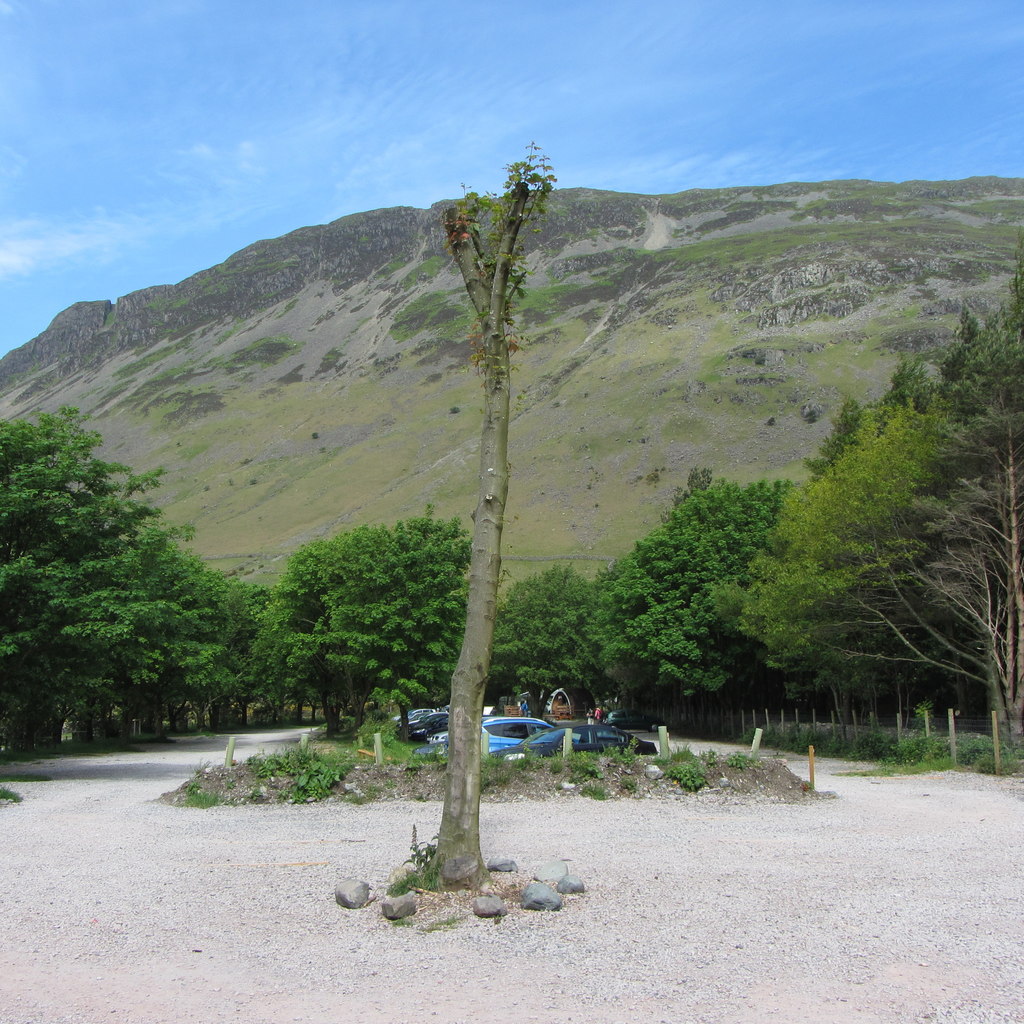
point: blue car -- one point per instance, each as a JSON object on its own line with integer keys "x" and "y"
{"x": 584, "y": 737}
{"x": 501, "y": 731}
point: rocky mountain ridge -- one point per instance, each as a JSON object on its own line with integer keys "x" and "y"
{"x": 320, "y": 379}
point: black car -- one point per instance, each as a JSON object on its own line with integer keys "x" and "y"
{"x": 424, "y": 728}
{"x": 638, "y": 721}
{"x": 584, "y": 737}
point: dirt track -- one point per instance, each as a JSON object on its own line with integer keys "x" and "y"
{"x": 896, "y": 902}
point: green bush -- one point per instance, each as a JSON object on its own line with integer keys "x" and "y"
{"x": 689, "y": 774}
{"x": 9, "y": 794}
{"x": 741, "y": 762}
{"x": 917, "y": 749}
{"x": 595, "y": 791}
{"x": 583, "y": 766}
{"x": 314, "y": 773}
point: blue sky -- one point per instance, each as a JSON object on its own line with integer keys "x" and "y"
{"x": 144, "y": 140}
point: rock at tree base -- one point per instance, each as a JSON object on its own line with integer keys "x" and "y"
{"x": 489, "y": 906}
{"x": 394, "y": 908}
{"x": 570, "y": 884}
{"x": 538, "y": 896}
{"x": 351, "y": 893}
{"x": 551, "y": 872}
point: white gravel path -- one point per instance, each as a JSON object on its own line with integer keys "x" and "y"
{"x": 899, "y": 901}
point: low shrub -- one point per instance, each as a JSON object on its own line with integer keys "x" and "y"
{"x": 314, "y": 773}
{"x": 688, "y": 774}
{"x": 583, "y": 766}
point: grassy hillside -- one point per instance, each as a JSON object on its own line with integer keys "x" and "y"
{"x": 321, "y": 380}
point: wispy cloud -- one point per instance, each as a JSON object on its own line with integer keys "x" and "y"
{"x": 27, "y": 246}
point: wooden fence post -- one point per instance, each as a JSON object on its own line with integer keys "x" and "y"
{"x": 378, "y": 748}
{"x": 756, "y": 745}
{"x": 229, "y": 756}
{"x": 567, "y": 742}
{"x": 927, "y": 722}
{"x": 810, "y": 765}
{"x": 951, "y": 715}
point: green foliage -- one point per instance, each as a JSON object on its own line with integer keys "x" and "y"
{"x": 546, "y": 635}
{"x": 741, "y": 762}
{"x": 690, "y": 775}
{"x": 9, "y": 795}
{"x": 839, "y": 551}
{"x": 373, "y": 612}
{"x": 583, "y": 766}
{"x": 98, "y": 603}
{"x": 665, "y": 612}
{"x": 201, "y": 799}
{"x": 626, "y": 756}
{"x": 594, "y": 790}
{"x": 426, "y": 869}
{"x": 314, "y": 773}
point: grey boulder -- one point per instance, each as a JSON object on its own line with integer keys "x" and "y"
{"x": 551, "y": 872}
{"x": 570, "y": 884}
{"x": 489, "y": 906}
{"x": 351, "y": 893}
{"x": 394, "y": 908}
{"x": 538, "y": 896}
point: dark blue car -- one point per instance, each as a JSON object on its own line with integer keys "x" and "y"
{"x": 584, "y": 737}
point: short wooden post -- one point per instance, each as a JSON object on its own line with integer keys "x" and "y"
{"x": 814, "y": 719}
{"x": 927, "y": 722}
{"x": 304, "y": 741}
{"x": 782, "y": 720}
{"x": 743, "y": 721}
{"x": 663, "y": 746}
{"x": 899, "y": 725}
{"x": 767, "y": 720}
{"x": 756, "y": 745}
{"x": 951, "y": 715}
{"x": 229, "y": 756}
{"x": 378, "y": 748}
{"x": 797, "y": 711}
{"x": 853, "y": 712}
{"x": 996, "y": 752}
{"x": 567, "y": 742}
{"x": 810, "y": 766}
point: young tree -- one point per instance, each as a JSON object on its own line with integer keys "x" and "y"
{"x": 483, "y": 236}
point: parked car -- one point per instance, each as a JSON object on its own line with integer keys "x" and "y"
{"x": 424, "y": 728}
{"x": 414, "y": 715}
{"x": 502, "y": 731}
{"x": 584, "y": 737}
{"x": 637, "y": 721}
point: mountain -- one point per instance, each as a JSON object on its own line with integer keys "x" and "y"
{"x": 320, "y": 380}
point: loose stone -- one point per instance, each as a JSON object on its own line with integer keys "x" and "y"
{"x": 489, "y": 906}
{"x": 394, "y": 908}
{"x": 351, "y": 893}
{"x": 538, "y": 896}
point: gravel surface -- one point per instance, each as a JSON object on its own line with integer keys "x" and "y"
{"x": 898, "y": 901}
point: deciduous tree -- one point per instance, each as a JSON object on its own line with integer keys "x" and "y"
{"x": 483, "y": 235}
